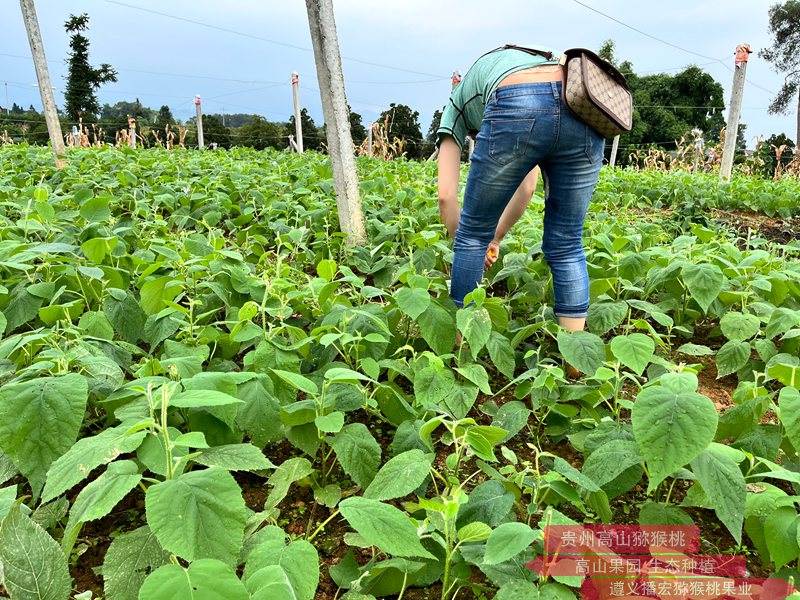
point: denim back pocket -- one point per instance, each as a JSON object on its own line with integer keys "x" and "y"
{"x": 509, "y": 138}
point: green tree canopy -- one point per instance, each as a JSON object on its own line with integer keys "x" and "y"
{"x": 260, "y": 134}
{"x": 404, "y": 124}
{"x": 313, "y": 136}
{"x": 784, "y": 54}
{"x": 83, "y": 80}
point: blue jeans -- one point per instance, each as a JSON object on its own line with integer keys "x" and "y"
{"x": 525, "y": 125}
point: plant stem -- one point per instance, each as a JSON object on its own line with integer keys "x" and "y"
{"x": 322, "y": 525}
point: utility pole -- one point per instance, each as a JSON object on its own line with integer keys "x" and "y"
{"x": 8, "y": 108}
{"x": 43, "y": 76}
{"x": 369, "y": 138}
{"x": 732, "y": 129}
{"x": 298, "y": 125}
{"x": 614, "y": 147}
{"x": 199, "y": 122}
{"x": 337, "y": 119}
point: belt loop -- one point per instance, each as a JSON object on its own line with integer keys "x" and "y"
{"x": 554, "y": 85}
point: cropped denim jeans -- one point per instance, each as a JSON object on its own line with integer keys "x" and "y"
{"x": 525, "y": 125}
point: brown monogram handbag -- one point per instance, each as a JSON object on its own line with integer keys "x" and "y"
{"x": 597, "y": 93}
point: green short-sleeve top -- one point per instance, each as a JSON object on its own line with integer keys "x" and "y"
{"x": 463, "y": 113}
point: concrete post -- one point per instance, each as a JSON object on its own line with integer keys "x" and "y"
{"x": 200, "y": 143}
{"x": 298, "y": 125}
{"x": 732, "y": 128}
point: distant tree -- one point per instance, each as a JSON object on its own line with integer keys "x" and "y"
{"x": 16, "y": 109}
{"x": 784, "y": 26}
{"x": 404, "y": 124}
{"x": 214, "y": 132}
{"x": 260, "y": 134}
{"x": 313, "y": 136}
{"x": 606, "y": 51}
{"x": 768, "y": 153}
{"x": 164, "y": 117}
{"x": 357, "y": 129}
{"x": 83, "y": 80}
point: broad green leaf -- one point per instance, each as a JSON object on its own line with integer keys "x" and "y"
{"x": 202, "y": 399}
{"x": 508, "y": 540}
{"x": 331, "y": 423}
{"x": 344, "y": 375}
{"x": 476, "y": 374}
{"x": 357, "y": 452}
{"x": 501, "y": 353}
{"x": 731, "y": 357}
{"x": 695, "y": 350}
{"x": 384, "y": 526}
{"x": 413, "y": 301}
{"x": 434, "y": 385}
{"x": 234, "y": 457}
{"x": 672, "y": 424}
{"x": 200, "y": 514}
{"x": 780, "y": 321}
{"x": 205, "y": 579}
{"x": 258, "y": 415}
{"x": 126, "y": 316}
{"x": 155, "y": 293}
{"x": 656, "y": 513}
{"x": 634, "y": 350}
{"x": 95, "y": 210}
{"x": 511, "y": 416}
{"x": 704, "y": 282}
{"x": 571, "y": 473}
{"x": 400, "y": 476}
{"x": 39, "y": 421}
{"x": 583, "y": 350}
{"x": 604, "y": 316}
{"x": 289, "y": 471}
{"x": 129, "y": 559}
{"x": 99, "y": 497}
{"x": 739, "y": 327}
{"x": 474, "y": 532}
{"x": 780, "y": 530}
{"x": 789, "y": 402}
{"x": 87, "y": 454}
{"x": 787, "y": 374}
{"x": 475, "y": 325}
{"x": 34, "y": 566}
{"x": 611, "y": 460}
{"x": 518, "y": 589}
{"x": 438, "y": 328}
{"x": 724, "y": 486}
{"x": 490, "y": 502}
{"x": 302, "y": 383}
{"x": 298, "y": 560}
{"x": 270, "y": 582}
{"x": 326, "y": 269}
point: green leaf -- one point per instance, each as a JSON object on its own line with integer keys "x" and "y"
{"x": 475, "y": 325}
{"x": 739, "y": 327}
{"x": 34, "y": 566}
{"x": 695, "y": 350}
{"x": 234, "y": 457}
{"x": 780, "y": 531}
{"x": 604, "y": 316}
{"x": 202, "y": 399}
{"x": 205, "y": 579}
{"x": 785, "y": 373}
{"x": 490, "y": 502}
{"x": 501, "y": 353}
{"x": 672, "y": 424}
{"x": 656, "y": 513}
{"x": 434, "y": 385}
{"x": 400, "y": 476}
{"x": 508, "y": 540}
{"x": 95, "y": 210}
{"x": 780, "y": 321}
{"x": 384, "y": 526}
{"x": 270, "y": 582}
{"x": 438, "y": 328}
{"x": 99, "y": 497}
{"x": 129, "y": 559}
{"x": 571, "y": 473}
{"x": 413, "y": 301}
{"x": 704, "y": 282}
{"x": 357, "y": 452}
{"x": 326, "y": 269}
{"x": 126, "y": 316}
{"x": 731, "y": 357}
{"x": 289, "y": 471}
{"x": 608, "y": 462}
{"x": 200, "y": 514}
{"x": 259, "y": 415}
{"x": 634, "y": 351}
{"x": 476, "y": 374}
{"x": 583, "y": 350}
{"x": 474, "y": 532}
{"x": 511, "y": 416}
{"x": 724, "y": 485}
{"x": 39, "y": 421}
{"x": 87, "y": 454}
{"x": 518, "y": 589}
{"x": 789, "y": 402}
{"x": 298, "y": 560}
{"x": 304, "y": 384}
{"x": 155, "y": 293}
{"x": 331, "y": 423}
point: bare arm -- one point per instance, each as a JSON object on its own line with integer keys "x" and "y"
{"x": 517, "y": 205}
{"x": 449, "y": 169}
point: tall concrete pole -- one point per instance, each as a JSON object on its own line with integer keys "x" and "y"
{"x": 43, "y": 76}
{"x": 298, "y": 125}
{"x": 732, "y": 129}
{"x": 614, "y": 147}
{"x": 197, "y": 106}
{"x": 337, "y": 120}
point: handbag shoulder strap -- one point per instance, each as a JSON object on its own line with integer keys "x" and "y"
{"x": 534, "y": 51}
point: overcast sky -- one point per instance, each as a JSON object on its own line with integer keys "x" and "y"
{"x": 239, "y": 54}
